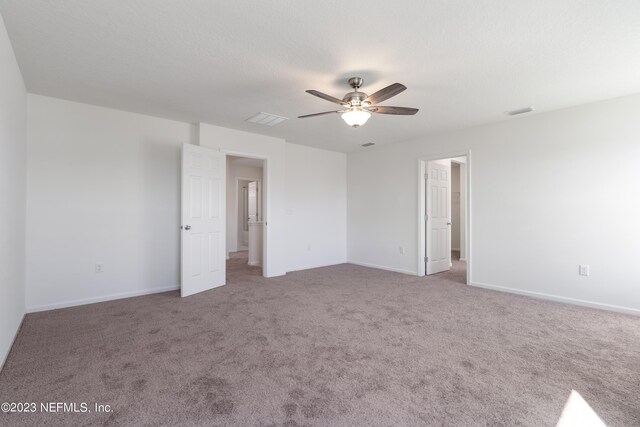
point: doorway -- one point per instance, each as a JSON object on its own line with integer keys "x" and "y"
{"x": 444, "y": 214}
{"x": 250, "y": 222}
{"x": 245, "y": 218}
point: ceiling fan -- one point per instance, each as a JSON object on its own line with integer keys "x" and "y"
{"x": 359, "y": 105}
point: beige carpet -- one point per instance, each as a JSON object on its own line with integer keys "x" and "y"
{"x": 342, "y": 345}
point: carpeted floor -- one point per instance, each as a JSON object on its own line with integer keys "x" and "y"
{"x": 341, "y": 345}
{"x": 458, "y": 271}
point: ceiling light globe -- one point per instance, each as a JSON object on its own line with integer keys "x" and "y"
{"x": 356, "y": 117}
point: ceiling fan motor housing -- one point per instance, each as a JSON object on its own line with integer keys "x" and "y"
{"x": 355, "y": 98}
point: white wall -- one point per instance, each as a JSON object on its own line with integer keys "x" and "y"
{"x": 316, "y": 207}
{"x": 235, "y": 171}
{"x": 13, "y": 144}
{"x": 549, "y": 192}
{"x": 103, "y": 187}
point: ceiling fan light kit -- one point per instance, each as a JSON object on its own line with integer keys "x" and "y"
{"x": 360, "y": 105}
{"x": 356, "y": 117}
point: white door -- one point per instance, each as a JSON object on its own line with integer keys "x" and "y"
{"x": 438, "y": 221}
{"x": 203, "y": 219}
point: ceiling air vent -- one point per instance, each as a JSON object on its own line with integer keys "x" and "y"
{"x": 368, "y": 144}
{"x": 266, "y": 119}
{"x": 519, "y": 111}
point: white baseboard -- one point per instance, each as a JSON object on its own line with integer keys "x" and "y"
{"x": 276, "y": 274}
{"x": 463, "y": 259}
{"x": 255, "y": 263}
{"x": 455, "y": 249}
{"x": 382, "y": 267}
{"x": 104, "y": 298}
{"x": 13, "y": 341}
{"x": 312, "y": 266}
{"x": 566, "y": 300}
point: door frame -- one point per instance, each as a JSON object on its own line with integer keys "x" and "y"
{"x": 422, "y": 169}
{"x": 265, "y": 201}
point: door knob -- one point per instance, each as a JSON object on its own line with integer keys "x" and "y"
{"x": 187, "y": 227}
{"x": 447, "y": 224}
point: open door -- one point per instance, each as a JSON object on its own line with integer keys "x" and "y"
{"x": 203, "y": 219}
{"x": 438, "y": 218}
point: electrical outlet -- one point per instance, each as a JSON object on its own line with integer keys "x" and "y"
{"x": 401, "y": 250}
{"x": 99, "y": 268}
{"x": 584, "y": 270}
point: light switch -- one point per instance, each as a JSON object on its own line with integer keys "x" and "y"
{"x": 584, "y": 270}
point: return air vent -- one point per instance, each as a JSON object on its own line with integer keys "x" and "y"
{"x": 368, "y": 144}
{"x": 519, "y": 111}
{"x": 266, "y": 119}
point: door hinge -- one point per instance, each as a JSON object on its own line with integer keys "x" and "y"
{"x": 426, "y": 217}
{"x": 426, "y": 259}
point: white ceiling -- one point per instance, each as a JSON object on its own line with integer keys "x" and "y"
{"x": 464, "y": 62}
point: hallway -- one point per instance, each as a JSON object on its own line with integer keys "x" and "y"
{"x": 458, "y": 271}
{"x": 239, "y": 269}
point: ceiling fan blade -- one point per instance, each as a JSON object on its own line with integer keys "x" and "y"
{"x": 327, "y": 97}
{"x": 318, "y": 114}
{"x": 386, "y": 93}
{"x": 401, "y": 111}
